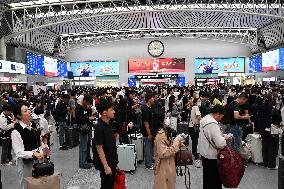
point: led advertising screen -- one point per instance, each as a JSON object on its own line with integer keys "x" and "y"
{"x": 219, "y": 65}
{"x": 270, "y": 60}
{"x": 45, "y": 66}
{"x": 93, "y": 69}
{"x": 62, "y": 68}
{"x": 50, "y": 66}
{"x": 12, "y": 67}
{"x": 281, "y": 58}
{"x": 152, "y": 65}
{"x": 255, "y": 63}
{"x": 35, "y": 64}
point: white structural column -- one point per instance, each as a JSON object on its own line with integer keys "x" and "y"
{"x": 2, "y": 49}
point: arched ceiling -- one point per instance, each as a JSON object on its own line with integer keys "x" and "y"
{"x": 50, "y": 25}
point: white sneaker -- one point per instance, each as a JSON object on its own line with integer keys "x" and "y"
{"x": 197, "y": 163}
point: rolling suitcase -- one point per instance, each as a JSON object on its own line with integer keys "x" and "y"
{"x": 127, "y": 157}
{"x": 182, "y": 127}
{"x": 137, "y": 139}
{"x": 254, "y": 140}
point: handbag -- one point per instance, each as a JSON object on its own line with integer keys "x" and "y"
{"x": 231, "y": 165}
{"x": 119, "y": 180}
{"x": 183, "y": 158}
{"x": 43, "y": 169}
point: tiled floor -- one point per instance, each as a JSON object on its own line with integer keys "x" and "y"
{"x": 66, "y": 162}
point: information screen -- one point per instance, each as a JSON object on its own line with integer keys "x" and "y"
{"x": 50, "y": 65}
{"x": 219, "y": 65}
{"x": 255, "y": 63}
{"x": 35, "y": 64}
{"x": 62, "y": 68}
{"x": 93, "y": 69}
{"x": 153, "y": 65}
{"x": 270, "y": 60}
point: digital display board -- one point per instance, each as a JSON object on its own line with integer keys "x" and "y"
{"x": 153, "y": 65}
{"x": 50, "y": 66}
{"x": 45, "y": 66}
{"x": 255, "y": 63}
{"x": 281, "y": 58}
{"x": 219, "y": 65}
{"x": 12, "y": 67}
{"x": 270, "y": 60}
{"x": 35, "y": 64}
{"x": 96, "y": 68}
{"x": 62, "y": 68}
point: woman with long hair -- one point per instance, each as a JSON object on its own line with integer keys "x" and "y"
{"x": 165, "y": 149}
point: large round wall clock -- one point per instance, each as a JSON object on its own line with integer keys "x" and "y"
{"x": 156, "y": 48}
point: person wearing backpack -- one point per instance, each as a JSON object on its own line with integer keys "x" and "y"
{"x": 210, "y": 140}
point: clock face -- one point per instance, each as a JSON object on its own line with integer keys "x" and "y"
{"x": 156, "y": 48}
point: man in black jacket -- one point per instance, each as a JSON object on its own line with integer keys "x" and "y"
{"x": 61, "y": 118}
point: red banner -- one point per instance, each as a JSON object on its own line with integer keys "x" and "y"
{"x": 154, "y": 65}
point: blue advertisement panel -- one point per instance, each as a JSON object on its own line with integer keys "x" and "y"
{"x": 93, "y": 69}
{"x": 35, "y": 64}
{"x": 255, "y": 63}
{"x": 219, "y": 65}
{"x": 62, "y": 68}
{"x": 281, "y": 59}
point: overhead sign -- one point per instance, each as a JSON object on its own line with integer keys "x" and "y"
{"x": 162, "y": 76}
{"x": 154, "y": 65}
{"x": 5, "y": 79}
{"x": 12, "y": 67}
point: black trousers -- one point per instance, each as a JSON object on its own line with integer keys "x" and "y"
{"x": 270, "y": 147}
{"x": 107, "y": 181}
{"x": 6, "y": 155}
{"x": 211, "y": 178}
{"x": 194, "y": 135}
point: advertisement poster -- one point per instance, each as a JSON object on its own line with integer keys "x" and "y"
{"x": 152, "y": 65}
{"x": 255, "y": 63}
{"x": 50, "y": 65}
{"x": 219, "y": 65}
{"x": 12, "y": 67}
{"x": 93, "y": 69}
{"x": 270, "y": 60}
{"x": 35, "y": 64}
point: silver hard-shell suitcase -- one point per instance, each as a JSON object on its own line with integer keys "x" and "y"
{"x": 254, "y": 140}
{"x": 127, "y": 157}
{"x": 137, "y": 139}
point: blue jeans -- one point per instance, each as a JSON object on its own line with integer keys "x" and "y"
{"x": 83, "y": 149}
{"x": 62, "y": 127}
{"x": 236, "y": 141}
{"x": 148, "y": 152}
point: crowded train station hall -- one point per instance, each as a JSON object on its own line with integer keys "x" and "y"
{"x": 141, "y": 94}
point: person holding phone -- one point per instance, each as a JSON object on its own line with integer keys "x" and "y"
{"x": 210, "y": 140}
{"x": 25, "y": 142}
{"x": 165, "y": 149}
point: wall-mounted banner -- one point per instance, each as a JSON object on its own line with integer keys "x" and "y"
{"x": 12, "y": 67}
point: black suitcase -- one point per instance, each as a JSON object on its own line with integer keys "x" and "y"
{"x": 182, "y": 127}
{"x": 72, "y": 137}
